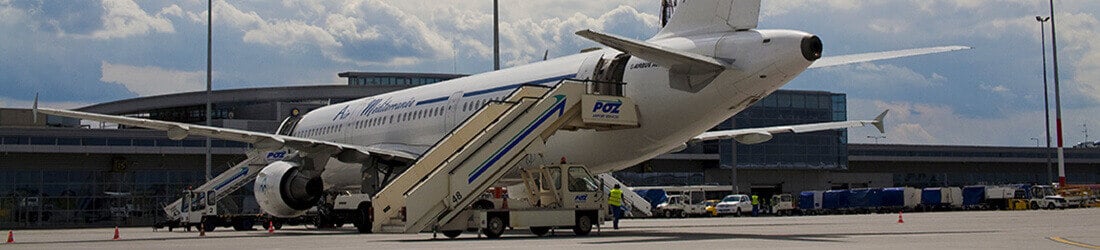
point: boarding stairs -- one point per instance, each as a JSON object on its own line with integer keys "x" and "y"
{"x": 494, "y": 141}
{"x": 225, "y": 183}
{"x": 634, "y": 204}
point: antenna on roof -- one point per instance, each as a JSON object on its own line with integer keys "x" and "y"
{"x": 35, "y": 112}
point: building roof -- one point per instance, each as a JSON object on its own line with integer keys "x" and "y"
{"x": 398, "y": 74}
{"x": 270, "y": 94}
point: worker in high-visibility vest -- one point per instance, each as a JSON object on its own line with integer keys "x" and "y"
{"x": 755, "y": 205}
{"x": 615, "y": 202}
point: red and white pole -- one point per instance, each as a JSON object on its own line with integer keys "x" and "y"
{"x": 1057, "y": 100}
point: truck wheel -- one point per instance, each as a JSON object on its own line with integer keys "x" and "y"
{"x": 738, "y": 213}
{"x": 668, "y": 213}
{"x": 1034, "y": 205}
{"x": 1050, "y": 206}
{"x": 494, "y": 227}
{"x": 363, "y": 221}
{"x": 584, "y": 225}
{"x": 451, "y": 234}
{"x": 683, "y": 214}
{"x": 540, "y": 231}
{"x": 210, "y": 225}
{"x": 243, "y": 225}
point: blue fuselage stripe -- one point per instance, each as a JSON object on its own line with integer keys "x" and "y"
{"x": 500, "y": 88}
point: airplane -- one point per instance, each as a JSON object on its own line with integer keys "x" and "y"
{"x": 707, "y": 64}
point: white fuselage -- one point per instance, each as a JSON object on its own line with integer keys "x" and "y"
{"x": 414, "y": 119}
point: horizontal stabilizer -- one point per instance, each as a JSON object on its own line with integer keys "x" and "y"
{"x": 677, "y": 61}
{"x": 875, "y": 56}
{"x": 759, "y": 135}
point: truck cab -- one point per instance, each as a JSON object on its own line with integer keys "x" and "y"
{"x": 782, "y": 204}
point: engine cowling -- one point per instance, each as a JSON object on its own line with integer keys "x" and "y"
{"x": 283, "y": 190}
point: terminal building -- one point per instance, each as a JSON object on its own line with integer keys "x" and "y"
{"x": 57, "y": 172}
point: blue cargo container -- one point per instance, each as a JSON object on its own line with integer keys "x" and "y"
{"x": 809, "y": 200}
{"x": 865, "y": 198}
{"x": 931, "y": 196}
{"x": 835, "y": 199}
{"x": 973, "y": 195}
{"x": 857, "y": 198}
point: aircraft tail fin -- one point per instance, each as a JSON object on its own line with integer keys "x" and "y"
{"x": 710, "y": 16}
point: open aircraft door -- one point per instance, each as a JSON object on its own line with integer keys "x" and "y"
{"x": 604, "y": 68}
{"x": 450, "y": 114}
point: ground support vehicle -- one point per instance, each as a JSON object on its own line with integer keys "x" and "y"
{"x": 782, "y": 204}
{"x": 679, "y": 206}
{"x": 1041, "y": 196}
{"x": 502, "y": 140}
{"x": 552, "y": 196}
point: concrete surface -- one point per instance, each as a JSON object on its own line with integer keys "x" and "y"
{"x": 1054, "y": 229}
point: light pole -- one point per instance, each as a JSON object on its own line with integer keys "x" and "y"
{"x": 876, "y": 137}
{"x": 496, "y": 37}
{"x": 1057, "y": 99}
{"x": 209, "y": 27}
{"x": 1046, "y": 93}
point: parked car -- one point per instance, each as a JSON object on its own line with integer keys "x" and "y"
{"x": 734, "y": 204}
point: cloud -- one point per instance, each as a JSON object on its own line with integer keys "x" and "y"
{"x": 124, "y": 18}
{"x": 995, "y": 88}
{"x": 149, "y": 80}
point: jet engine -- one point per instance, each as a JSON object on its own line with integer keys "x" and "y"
{"x": 283, "y": 190}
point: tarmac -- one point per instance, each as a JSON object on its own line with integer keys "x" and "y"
{"x": 1042, "y": 229}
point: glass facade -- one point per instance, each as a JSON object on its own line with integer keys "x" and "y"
{"x": 817, "y": 150}
{"x": 49, "y": 190}
{"x": 394, "y": 78}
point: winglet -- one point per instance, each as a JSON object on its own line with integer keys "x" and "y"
{"x": 879, "y": 121}
{"x": 35, "y": 111}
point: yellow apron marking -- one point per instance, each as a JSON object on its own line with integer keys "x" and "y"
{"x": 1073, "y": 243}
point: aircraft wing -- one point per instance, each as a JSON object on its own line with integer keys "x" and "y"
{"x": 875, "y": 56}
{"x": 178, "y": 131}
{"x": 759, "y": 135}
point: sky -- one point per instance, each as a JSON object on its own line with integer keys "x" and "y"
{"x": 78, "y": 53}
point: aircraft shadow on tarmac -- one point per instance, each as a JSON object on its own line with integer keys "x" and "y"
{"x": 664, "y": 236}
{"x": 661, "y": 236}
{"x": 210, "y": 235}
